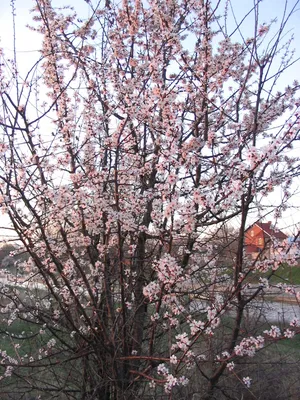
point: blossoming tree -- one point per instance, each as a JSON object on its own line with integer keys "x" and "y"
{"x": 137, "y": 131}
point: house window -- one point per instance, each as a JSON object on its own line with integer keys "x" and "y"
{"x": 260, "y": 241}
{"x": 252, "y": 233}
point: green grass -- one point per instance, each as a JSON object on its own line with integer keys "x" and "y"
{"x": 288, "y": 345}
{"x": 284, "y": 274}
{"x": 27, "y": 336}
{"x": 287, "y": 274}
{"x": 23, "y": 334}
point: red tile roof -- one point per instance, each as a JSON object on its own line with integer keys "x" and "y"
{"x": 274, "y": 233}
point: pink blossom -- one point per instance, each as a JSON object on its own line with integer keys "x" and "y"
{"x": 247, "y": 381}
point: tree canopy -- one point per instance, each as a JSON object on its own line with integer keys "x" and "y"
{"x": 138, "y": 134}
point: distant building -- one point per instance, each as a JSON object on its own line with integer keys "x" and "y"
{"x": 261, "y": 237}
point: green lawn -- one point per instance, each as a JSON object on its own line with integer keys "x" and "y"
{"x": 284, "y": 274}
{"x": 287, "y": 274}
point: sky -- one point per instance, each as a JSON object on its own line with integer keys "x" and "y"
{"x": 28, "y": 44}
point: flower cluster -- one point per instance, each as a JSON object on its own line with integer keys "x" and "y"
{"x": 274, "y": 332}
{"x": 170, "y": 380}
{"x": 168, "y": 270}
{"x": 248, "y": 346}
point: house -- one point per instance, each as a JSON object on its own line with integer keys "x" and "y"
{"x": 261, "y": 237}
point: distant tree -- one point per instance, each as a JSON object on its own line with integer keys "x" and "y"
{"x": 224, "y": 240}
{"x": 5, "y": 251}
{"x": 138, "y": 130}
{"x": 11, "y": 258}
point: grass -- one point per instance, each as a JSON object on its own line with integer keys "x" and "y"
{"x": 284, "y": 274}
{"x": 288, "y": 345}
{"x": 27, "y": 336}
{"x": 20, "y": 333}
{"x": 287, "y": 274}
